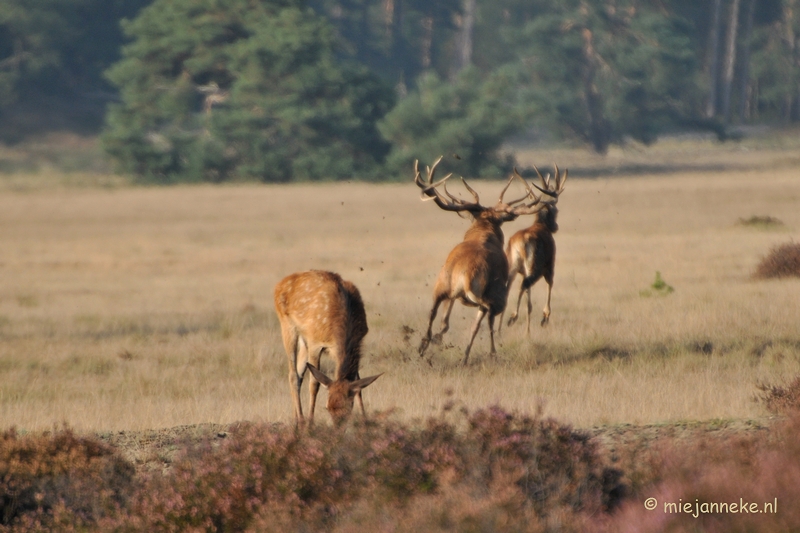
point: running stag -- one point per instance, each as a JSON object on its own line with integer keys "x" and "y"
{"x": 476, "y": 271}
{"x": 532, "y": 251}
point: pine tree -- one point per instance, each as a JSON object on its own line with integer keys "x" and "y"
{"x": 214, "y": 90}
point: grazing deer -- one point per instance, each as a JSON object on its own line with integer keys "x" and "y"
{"x": 476, "y": 271}
{"x": 321, "y": 312}
{"x": 532, "y": 251}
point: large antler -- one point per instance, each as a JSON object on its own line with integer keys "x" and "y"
{"x": 558, "y": 187}
{"x": 450, "y": 202}
{"x": 536, "y": 204}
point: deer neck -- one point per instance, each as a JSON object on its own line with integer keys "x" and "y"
{"x": 349, "y": 368}
{"x": 483, "y": 229}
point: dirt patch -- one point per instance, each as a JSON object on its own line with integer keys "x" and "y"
{"x": 156, "y": 449}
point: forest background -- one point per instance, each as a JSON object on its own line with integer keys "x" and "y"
{"x": 286, "y": 90}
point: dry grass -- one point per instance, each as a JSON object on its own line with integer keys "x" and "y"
{"x": 133, "y": 308}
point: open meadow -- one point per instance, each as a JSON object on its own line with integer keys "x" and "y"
{"x": 127, "y": 308}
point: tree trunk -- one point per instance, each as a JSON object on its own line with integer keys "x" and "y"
{"x": 465, "y": 35}
{"x": 599, "y": 130}
{"x": 744, "y": 87}
{"x": 426, "y": 42}
{"x": 730, "y": 60}
{"x": 793, "y": 97}
{"x": 388, "y": 21}
{"x": 713, "y": 60}
{"x": 393, "y": 19}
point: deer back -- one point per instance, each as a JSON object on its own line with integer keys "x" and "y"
{"x": 326, "y": 311}
{"x": 533, "y": 246}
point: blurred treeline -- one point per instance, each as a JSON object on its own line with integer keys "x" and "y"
{"x": 279, "y": 90}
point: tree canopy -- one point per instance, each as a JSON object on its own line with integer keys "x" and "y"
{"x": 277, "y": 90}
{"x": 224, "y": 89}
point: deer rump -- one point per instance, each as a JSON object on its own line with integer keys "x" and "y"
{"x": 477, "y": 277}
{"x": 327, "y": 334}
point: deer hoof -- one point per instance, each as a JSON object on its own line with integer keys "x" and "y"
{"x": 512, "y": 319}
{"x": 545, "y": 320}
{"x": 423, "y": 346}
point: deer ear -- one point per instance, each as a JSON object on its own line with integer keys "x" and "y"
{"x": 357, "y": 385}
{"x": 324, "y": 380}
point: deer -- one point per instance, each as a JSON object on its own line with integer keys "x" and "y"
{"x": 476, "y": 270}
{"x": 532, "y": 251}
{"x": 320, "y": 312}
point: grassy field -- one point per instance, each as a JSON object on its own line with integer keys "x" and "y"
{"x": 127, "y": 307}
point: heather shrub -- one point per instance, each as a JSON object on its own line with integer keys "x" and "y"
{"x": 761, "y": 471}
{"x": 58, "y": 481}
{"x": 781, "y": 400}
{"x": 257, "y": 470}
{"x": 494, "y": 464}
{"x": 487, "y": 470}
{"x": 783, "y": 261}
{"x": 554, "y": 466}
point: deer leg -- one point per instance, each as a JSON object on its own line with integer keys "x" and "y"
{"x": 515, "y": 315}
{"x": 358, "y": 398}
{"x": 313, "y": 385}
{"x": 527, "y": 283}
{"x": 493, "y": 352}
{"x": 530, "y": 308}
{"x": 360, "y": 403}
{"x": 446, "y": 319}
{"x": 426, "y": 340}
{"x": 511, "y": 277}
{"x": 291, "y": 343}
{"x": 473, "y": 332}
{"x": 546, "y": 317}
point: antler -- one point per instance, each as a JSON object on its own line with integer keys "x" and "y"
{"x": 449, "y": 203}
{"x": 529, "y": 194}
{"x": 552, "y": 192}
{"x": 559, "y": 185}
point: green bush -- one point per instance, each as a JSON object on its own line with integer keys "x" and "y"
{"x": 470, "y": 117}
{"x": 214, "y": 90}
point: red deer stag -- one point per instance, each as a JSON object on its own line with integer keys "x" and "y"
{"x": 320, "y": 312}
{"x": 532, "y": 251}
{"x": 476, "y": 271}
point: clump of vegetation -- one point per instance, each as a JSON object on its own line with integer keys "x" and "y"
{"x": 58, "y": 480}
{"x": 241, "y": 90}
{"x": 783, "y": 261}
{"x": 267, "y": 475}
{"x": 489, "y": 467}
{"x": 658, "y": 288}
{"x": 471, "y": 115}
{"x": 755, "y": 476}
{"x": 487, "y": 470}
{"x": 761, "y": 222}
{"x": 781, "y": 400}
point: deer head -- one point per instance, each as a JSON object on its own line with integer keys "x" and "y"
{"x": 341, "y": 393}
{"x": 549, "y": 212}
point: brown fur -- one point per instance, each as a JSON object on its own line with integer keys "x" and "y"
{"x": 476, "y": 271}
{"x": 476, "y": 274}
{"x": 320, "y": 312}
{"x": 532, "y": 253}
